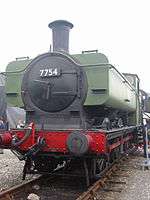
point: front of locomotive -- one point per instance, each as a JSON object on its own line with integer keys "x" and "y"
{"x": 54, "y": 89}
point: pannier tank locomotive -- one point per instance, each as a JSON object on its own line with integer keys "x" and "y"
{"x": 81, "y": 112}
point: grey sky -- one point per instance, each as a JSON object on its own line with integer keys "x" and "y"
{"x": 118, "y": 28}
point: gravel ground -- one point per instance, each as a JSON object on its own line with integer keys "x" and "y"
{"x": 10, "y": 170}
{"x": 137, "y": 185}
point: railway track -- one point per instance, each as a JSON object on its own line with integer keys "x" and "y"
{"x": 55, "y": 187}
{"x": 52, "y": 188}
{"x": 90, "y": 194}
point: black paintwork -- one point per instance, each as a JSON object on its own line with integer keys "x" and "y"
{"x": 55, "y": 101}
{"x": 60, "y": 34}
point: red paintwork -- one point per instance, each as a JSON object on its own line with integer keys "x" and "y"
{"x": 119, "y": 142}
{"x": 5, "y": 138}
{"x": 56, "y": 141}
{"x": 99, "y": 143}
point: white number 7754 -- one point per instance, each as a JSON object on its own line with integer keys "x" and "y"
{"x": 48, "y": 72}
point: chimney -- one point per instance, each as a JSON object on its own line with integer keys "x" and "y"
{"x": 60, "y": 34}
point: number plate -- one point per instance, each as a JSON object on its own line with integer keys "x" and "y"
{"x": 49, "y": 72}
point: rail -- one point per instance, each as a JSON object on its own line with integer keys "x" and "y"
{"x": 8, "y": 194}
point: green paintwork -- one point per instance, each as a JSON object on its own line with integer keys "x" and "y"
{"x": 14, "y": 73}
{"x": 147, "y": 106}
{"x": 136, "y": 117}
{"x": 105, "y": 85}
{"x": 13, "y": 80}
{"x": 90, "y": 58}
{"x": 114, "y": 91}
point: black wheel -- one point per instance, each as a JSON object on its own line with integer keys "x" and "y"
{"x": 98, "y": 166}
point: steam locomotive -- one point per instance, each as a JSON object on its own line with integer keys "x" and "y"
{"x": 81, "y": 112}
